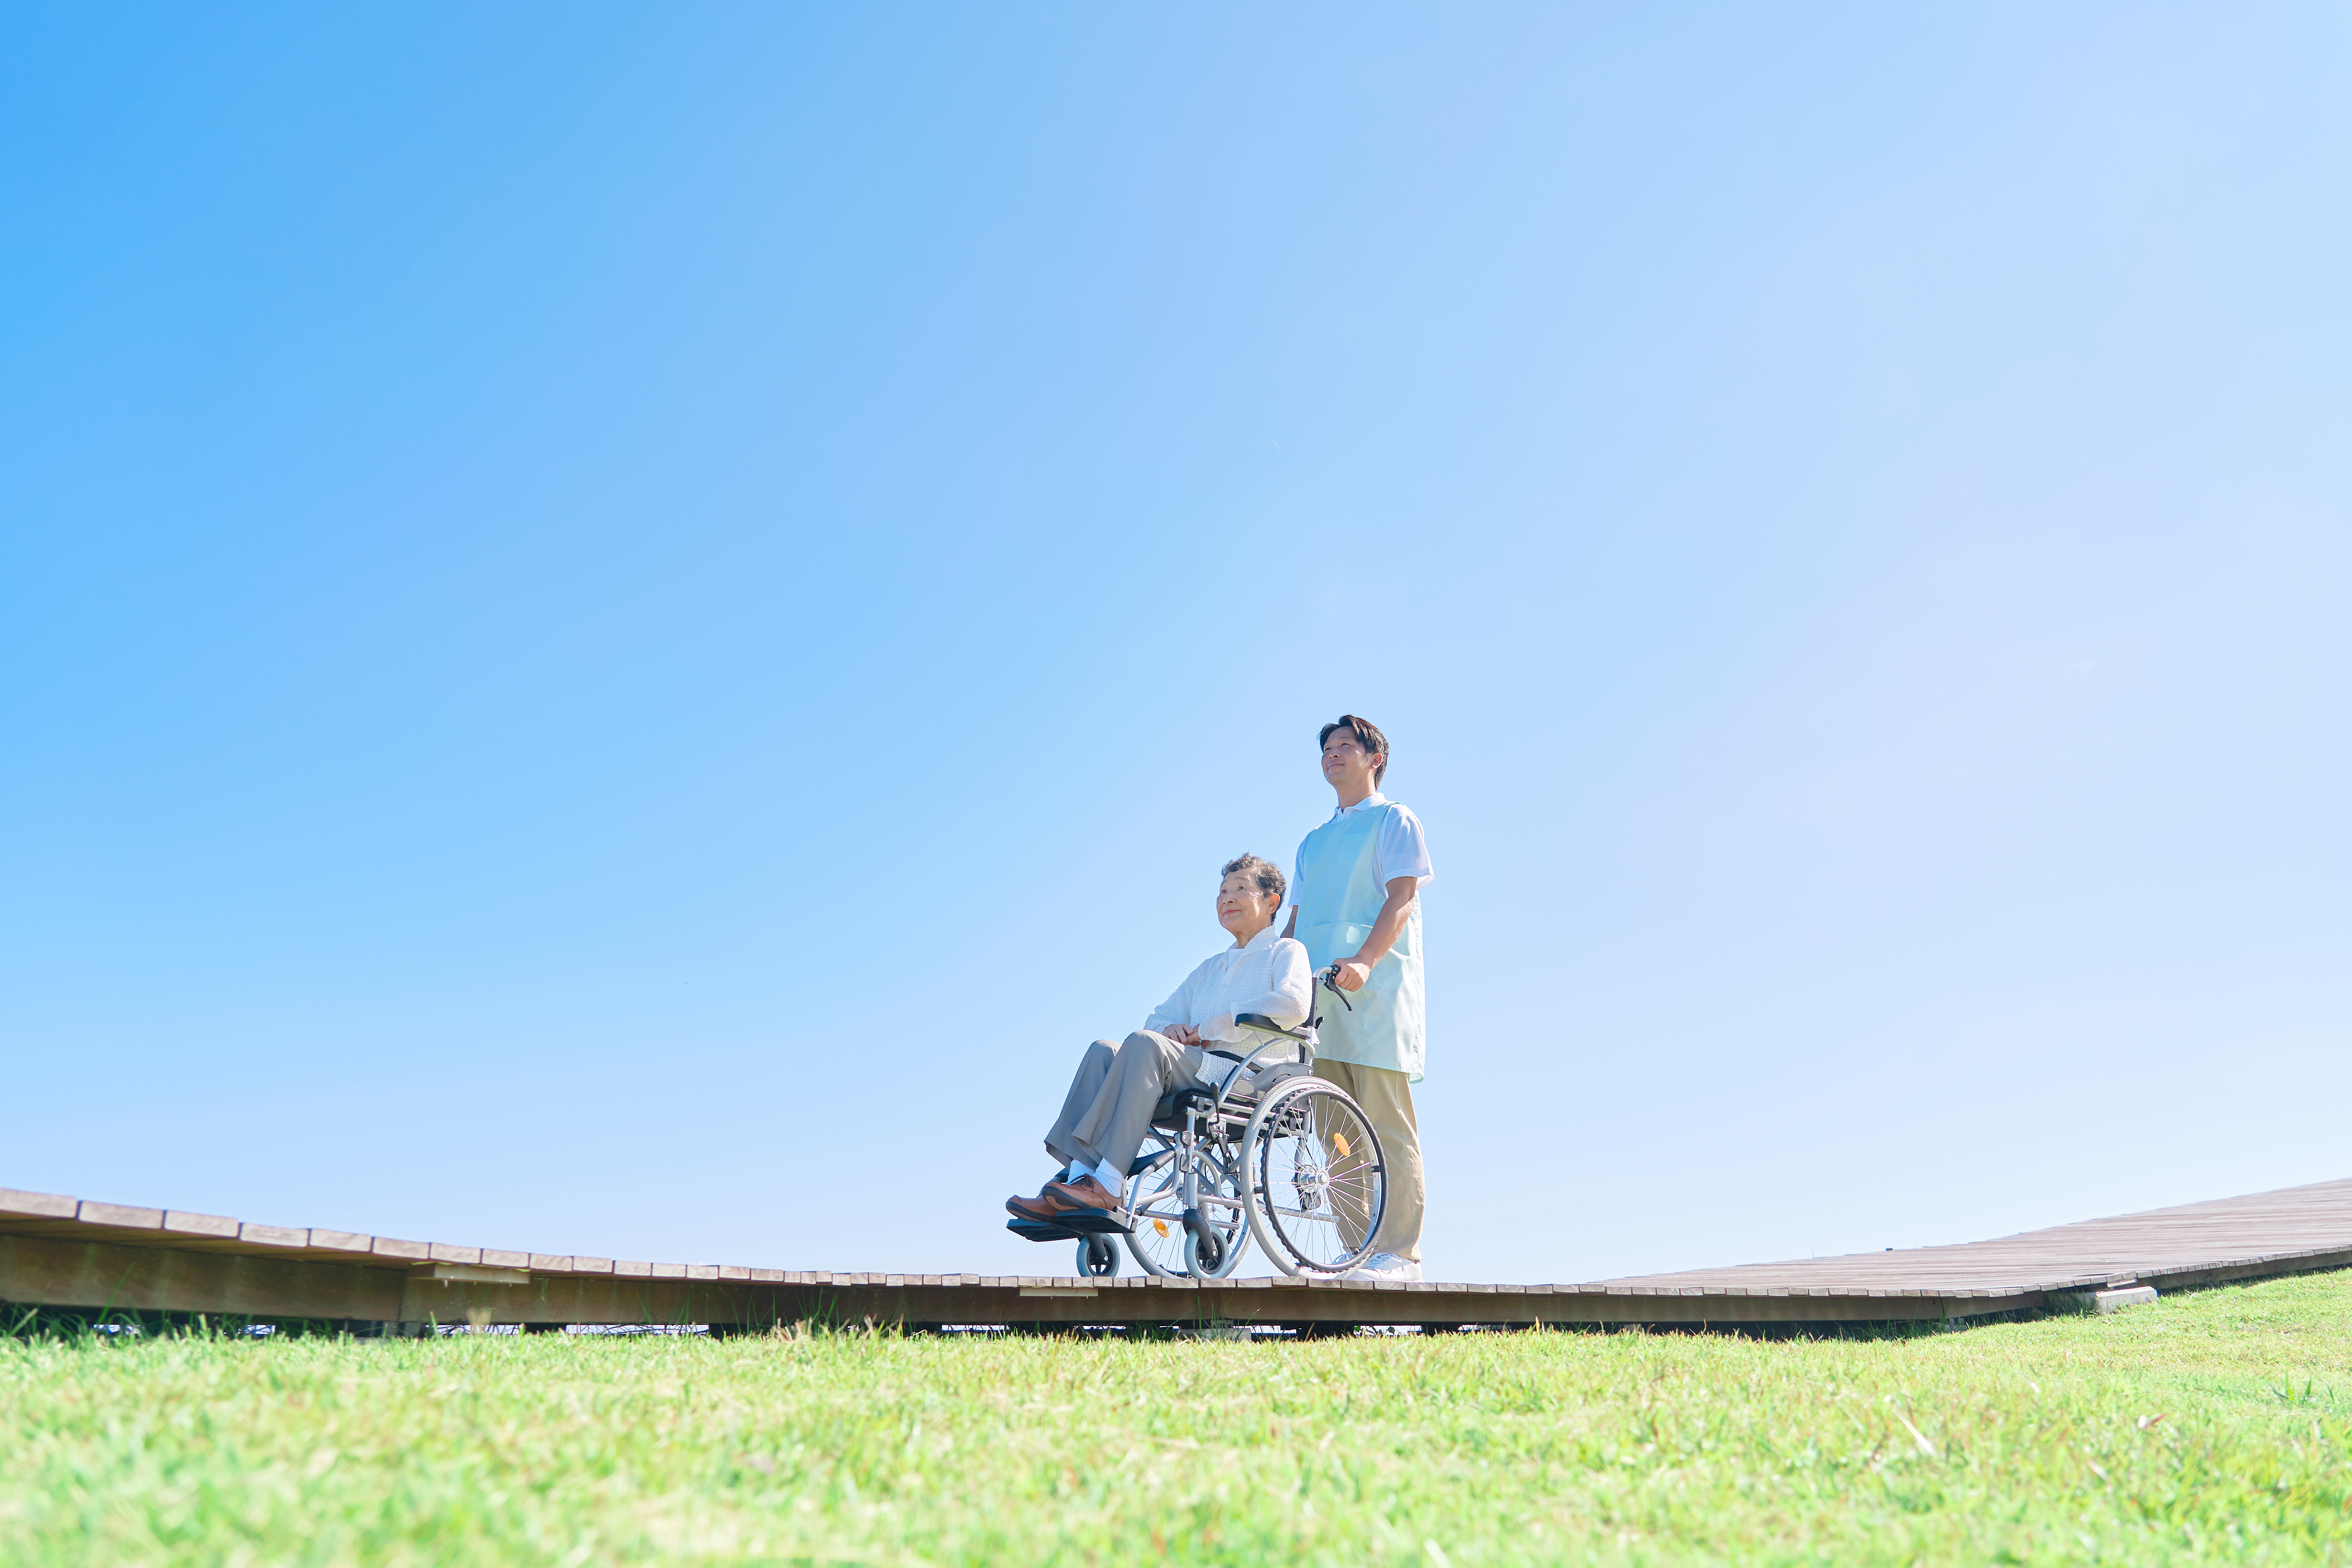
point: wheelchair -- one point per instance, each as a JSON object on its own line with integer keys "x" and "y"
{"x": 1271, "y": 1154}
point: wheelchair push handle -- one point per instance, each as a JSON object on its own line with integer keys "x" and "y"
{"x": 1330, "y": 978}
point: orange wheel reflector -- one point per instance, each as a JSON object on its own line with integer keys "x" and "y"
{"x": 1339, "y": 1142}
{"x": 1161, "y": 1225}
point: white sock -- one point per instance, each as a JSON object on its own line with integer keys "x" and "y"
{"x": 1110, "y": 1176}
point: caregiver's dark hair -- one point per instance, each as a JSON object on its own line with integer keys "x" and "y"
{"x": 1368, "y": 735}
{"x": 1264, "y": 875}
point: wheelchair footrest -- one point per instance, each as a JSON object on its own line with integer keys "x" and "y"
{"x": 1071, "y": 1224}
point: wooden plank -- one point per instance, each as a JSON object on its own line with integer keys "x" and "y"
{"x": 180, "y": 1222}
{"x": 38, "y": 1205}
{"x": 340, "y": 1241}
{"x": 386, "y": 1246}
{"x": 119, "y": 1216}
{"x": 471, "y": 1273}
{"x": 273, "y": 1236}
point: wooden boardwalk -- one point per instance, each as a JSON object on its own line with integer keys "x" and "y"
{"x": 92, "y": 1257}
{"x": 2286, "y": 1231}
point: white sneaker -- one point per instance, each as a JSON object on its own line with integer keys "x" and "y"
{"x": 1385, "y": 1266}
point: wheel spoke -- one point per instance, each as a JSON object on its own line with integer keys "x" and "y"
{"x": 1318, "y": 1186}
{"x": 1156, "y": 1199}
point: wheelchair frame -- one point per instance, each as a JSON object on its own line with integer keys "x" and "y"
{"x": 1205, "y": 1185}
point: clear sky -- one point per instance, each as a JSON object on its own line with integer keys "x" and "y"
{"x": 621, "y": 630}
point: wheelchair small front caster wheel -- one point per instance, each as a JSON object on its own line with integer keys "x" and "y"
{"x": 1098, "y": 1257}
{"x": 1210, "y": 1257}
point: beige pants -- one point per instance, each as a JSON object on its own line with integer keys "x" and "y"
{"x": 1108, "y": 1110}
{"x": 1387, "y": 1100}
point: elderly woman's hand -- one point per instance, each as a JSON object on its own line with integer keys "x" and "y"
{"x": 1182, "y": 1034}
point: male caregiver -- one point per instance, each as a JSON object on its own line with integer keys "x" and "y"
{"x": 1356, "y": 903}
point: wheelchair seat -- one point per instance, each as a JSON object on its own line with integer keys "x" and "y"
{"x": 1169, "y": 1111}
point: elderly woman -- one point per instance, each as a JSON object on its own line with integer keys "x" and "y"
{"x": 1108, "y": 1108}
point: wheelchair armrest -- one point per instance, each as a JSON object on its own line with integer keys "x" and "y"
{"x": 1260, "y": 1021}
{"x": 1283, "y": 1036}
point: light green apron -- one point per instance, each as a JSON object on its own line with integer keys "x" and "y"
{"x": 1338, "y": 899}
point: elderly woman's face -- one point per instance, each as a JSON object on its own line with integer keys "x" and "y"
{"x": 1242, "y": 908}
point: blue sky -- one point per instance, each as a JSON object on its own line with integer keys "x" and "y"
{"x": 620, "y": 632}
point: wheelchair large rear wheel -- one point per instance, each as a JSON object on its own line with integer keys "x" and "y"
{"x": 1155, "y": 1197}
{"x": 1318, "y": 1183}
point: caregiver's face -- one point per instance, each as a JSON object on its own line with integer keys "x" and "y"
{"x": 1344, "y": 760}
{"x": 1241, "y": 908}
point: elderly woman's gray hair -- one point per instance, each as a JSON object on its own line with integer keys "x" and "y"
{"x": 1263, "y": 875}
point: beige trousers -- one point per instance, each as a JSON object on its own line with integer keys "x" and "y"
{"x": 1108, "y": 1110}
{"x": 1387, "y": 1100}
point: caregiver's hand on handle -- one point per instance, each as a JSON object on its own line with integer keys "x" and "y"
{"x": 1349, "y": 973}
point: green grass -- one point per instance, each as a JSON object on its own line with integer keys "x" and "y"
{"x": 2037, "y": 1442}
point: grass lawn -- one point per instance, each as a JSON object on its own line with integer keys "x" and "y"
{"x": 2207, "y": 1427}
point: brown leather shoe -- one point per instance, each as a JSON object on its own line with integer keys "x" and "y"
{"x": 1039, "y": 1208}
{"x": 1059, "y": 1198}
{"x": 1086, "y": 1193}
